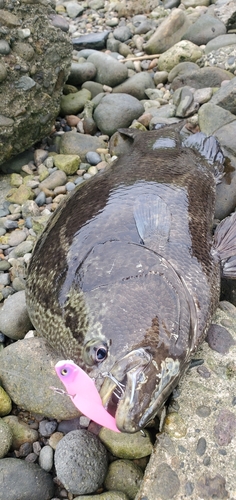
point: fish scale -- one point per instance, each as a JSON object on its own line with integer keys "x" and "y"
{"x": 126, "y": 276}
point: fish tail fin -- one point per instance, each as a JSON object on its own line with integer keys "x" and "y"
{"x": 225, "y": 245}
{"x": 209, "y": 148}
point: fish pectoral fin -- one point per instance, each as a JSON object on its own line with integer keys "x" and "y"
{"x": 225, "y": 245}
{"x": 153, "y": 219}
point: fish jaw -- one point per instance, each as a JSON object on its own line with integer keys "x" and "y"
{"x": 143, "y": 385}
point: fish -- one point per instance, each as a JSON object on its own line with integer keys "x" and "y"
{"x": 83, "y": 393}
{"x": 125, "y": 278}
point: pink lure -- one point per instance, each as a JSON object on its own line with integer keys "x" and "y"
{"x": 83, "y": 393}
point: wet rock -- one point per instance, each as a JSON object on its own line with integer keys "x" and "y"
{"x": 125, "y": 476}
{"x": 79, "y": 144}
{"x": 168, "y": 33}
{"x": 73, "y": 103}
{"x": 117, "y": 111}
{"x": 30, "y": 481}
{"x": 14, "y": 319}
{"x": 204, "y": 29}
{"x": 109, "y": 70}
{"x": 5, "y": 438}
{"x": 180, "y": 52}
{"x": 21, "y": 432}
{"x": 127, "y": 446}
{"x": 32, "y": 391}
{"x": 136, "y": 85}
{"x": 81, "y": 462}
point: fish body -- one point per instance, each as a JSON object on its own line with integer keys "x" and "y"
{"x": 125, "y": 278}
{"x": 83, "y": 393}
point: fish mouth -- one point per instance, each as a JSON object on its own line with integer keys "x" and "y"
{"x": 137, "y": 387}
{"x": 121, "y": 389}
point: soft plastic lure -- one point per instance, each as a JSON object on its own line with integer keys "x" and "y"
{"x": 83, "y": 393}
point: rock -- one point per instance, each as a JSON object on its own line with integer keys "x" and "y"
{"x": 71, "y": 104}
{"x": 81, "y": 72}
{"x": 116, "y": 111}
{"x": 226, "y": 96}
{"x": 67, "y": 163}
{"x": 93, "y": 87}
{"x": 20, "y": 251}
{"x": 195, "y": 3}
{"x": 5, "y": 438}
{"x": 81, "y": 462}
{"x": 212, "y": 117}
{"x": 32, "y": 94}
{"x": 225, "y": 11}
{"x": 30, "y": 208}
{"x": 21, "y": 432}
{"x": 136, "y": 85}
{"x": 109, "y": 495}
{"x": 16, "y": 237}
{"x": 93, "y": 158}
{"x": 127, "y": 446}
{"x": 226, "y": 189}
{"x": 32, "y": 390}
{"x": 20, "y": 195}
{"x": 182, "y": 69}
{"x": 79, "y": 144}
{"x": 203, "y": 77}
{"x": 30, "y": 481}
{"x": 199, "y": 476}
{"x": 14, "y": 319}
{"x": 95, "y": 41}
{"x": 122, "y": 33}
{"x": 5, "y": 404}
{"x": 219, "y": 42}
{"x": 46, "y": 458}
{"x": 109, "y": 71}
{"x": 57, "y": 178}
{"x": 226, "y": 136}
{"x": 206, "y": 28}
{"x": 125, "y": 476}
{"x": 180, "y": 52}
{"x": 74, "y": 9}
{"x": 168, "y": 32}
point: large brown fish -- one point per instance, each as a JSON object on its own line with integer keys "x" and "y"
{"x": 126, "y": 276}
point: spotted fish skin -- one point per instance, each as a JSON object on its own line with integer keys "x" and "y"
{"x": 126, "y": 265}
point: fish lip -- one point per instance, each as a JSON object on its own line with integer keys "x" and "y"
{"x": 122, "y": 380}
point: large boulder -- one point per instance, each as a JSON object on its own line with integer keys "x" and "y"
{"x": 35, "y": 63}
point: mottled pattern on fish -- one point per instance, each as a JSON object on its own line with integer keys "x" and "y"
{"x": 126, "y": 260}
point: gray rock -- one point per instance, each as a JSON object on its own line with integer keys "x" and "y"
{"x": 180, "y": 52}
{"x": 21, "y": 432}
{"x": 108, "y": 495}
{"x": 14, "y": 319}
{"x": 117, "y": 111}
{"x": 46, "y": 458}
{"x": 212, "y": 117}
{"x": 226, "y": 96}
{"x": 5, "y": 438}
{"x": 24, "y": 480}
{"x": 226, "y": 136}
{"x": 93, "y": 158}
{"x": 95, "y": 41}
{"x": 73, "y": 103}
{"x": 93, "y": 87}
{"x": 168, "y": 33}
{"x": 182, "y": 69}
{"x": 206, "y": 28}
{"x": 219, "y": 42}
{"x": 22, "y": 387}
{"x": 34, "y": 97}
{"x": 136, "y": 85}
{"x": 5, "y": 279}
{"x": 57, "y": 178}
{"x": 79, "y": 144}
{"x": 125, "y": 476}
{"x": 22, "y": 249}
{"x": 183, "y": 99}
{"x": 81, "y": 462}
{"x": 74, "y": 9}
{"x": 122, "y": 33}
{"x": 109, "y": 71}
{"x": 203, "y": 77}
{"x": 225, "y": 11}
{"x": 80, "y": 73}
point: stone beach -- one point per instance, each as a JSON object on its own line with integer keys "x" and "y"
{"x": 124, "y": 64}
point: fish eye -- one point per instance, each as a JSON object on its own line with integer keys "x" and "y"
{"x": 95, "y": 352}
{"x": 64, "y": 371}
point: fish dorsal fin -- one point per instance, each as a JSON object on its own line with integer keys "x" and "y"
{"x": 153, "y": 220}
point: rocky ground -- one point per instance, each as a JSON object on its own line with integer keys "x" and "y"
{"x": 139, "y": 64}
